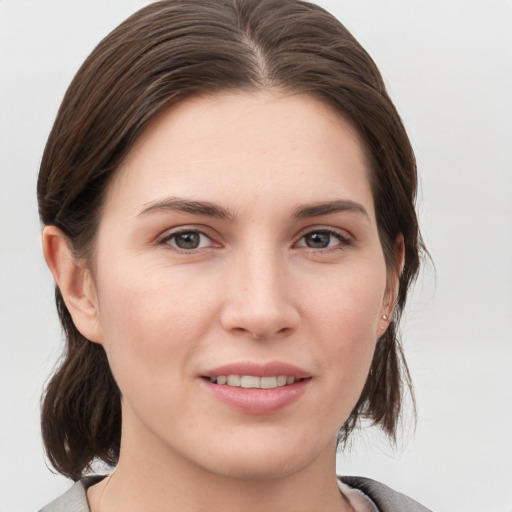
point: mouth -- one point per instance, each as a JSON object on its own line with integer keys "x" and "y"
{"x": 254, "y": 382}
{"x": 254, "y": 388}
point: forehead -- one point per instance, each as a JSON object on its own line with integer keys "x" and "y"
{"x": 237, "y": 146}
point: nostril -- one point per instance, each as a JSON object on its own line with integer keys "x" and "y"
{"x": 259, "y": 320}
{"x": 261, "y": 334}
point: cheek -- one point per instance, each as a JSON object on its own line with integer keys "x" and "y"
{"x": 151, "y": 318}
{"x": 345, "y": 314}
{"x": 347, "y": 302}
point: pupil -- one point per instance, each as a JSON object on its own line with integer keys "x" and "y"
{"x": 318, "y": 240}
{"x": 188, "y": 240}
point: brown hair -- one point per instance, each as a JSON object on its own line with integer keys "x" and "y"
{"x": 164, "y": 53}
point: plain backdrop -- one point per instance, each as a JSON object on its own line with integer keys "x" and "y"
{"x": 448, "y": 66}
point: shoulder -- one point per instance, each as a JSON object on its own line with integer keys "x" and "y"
{"x": 386, "y": 499}
{"x": 75, "y": 499}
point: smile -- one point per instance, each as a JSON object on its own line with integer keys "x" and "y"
{"x": 252, "y": 394}
{"x": 254, "y": 382}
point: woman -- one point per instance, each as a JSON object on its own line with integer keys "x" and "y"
{"x": 228, "y": 200}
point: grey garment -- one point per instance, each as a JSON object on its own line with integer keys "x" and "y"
{"x": 386, "y": 499}
{"x": 75, "y": 499}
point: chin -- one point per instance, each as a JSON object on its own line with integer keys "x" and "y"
{"x": 266, "y": 461}
{"x": 260, "y": 468}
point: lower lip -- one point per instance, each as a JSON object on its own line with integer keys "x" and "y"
{"x": 258, "y": 401}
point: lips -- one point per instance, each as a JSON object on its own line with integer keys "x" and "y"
{"x": 270, "y": 369}
{"x": 257, "y": 388}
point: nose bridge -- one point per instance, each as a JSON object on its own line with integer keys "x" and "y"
{"x": 261, "y": 275}
{"x": 259, "y": 293}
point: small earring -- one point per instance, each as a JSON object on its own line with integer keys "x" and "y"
{"x": 384, "y": 317}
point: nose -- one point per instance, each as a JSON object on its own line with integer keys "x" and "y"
{"x": 259, "y": 297}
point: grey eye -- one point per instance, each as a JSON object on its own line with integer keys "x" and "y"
{"x": 318, "y": 239}
{"x": 188, "y": 240}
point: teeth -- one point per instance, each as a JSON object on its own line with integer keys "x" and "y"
{"x": 281, "y": 380}
{"x": 252, "y": 382}
{"x": 268, "y": 382}
{"x": 248, "y": 381}
{"x": 234, "y": 380}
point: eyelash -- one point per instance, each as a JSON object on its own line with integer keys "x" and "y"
{"x": 343, "y": 240}
{"x": 167, "y": 239}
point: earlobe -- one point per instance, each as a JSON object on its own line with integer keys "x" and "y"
{"x": 74, "y": 281}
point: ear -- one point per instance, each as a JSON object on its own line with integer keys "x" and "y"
{"x": 74, "y": 281}
{"x": 393, "y": 283}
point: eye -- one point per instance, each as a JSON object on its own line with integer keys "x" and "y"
{"x": 323, "y": 239}
{"x": 188, "y": 240}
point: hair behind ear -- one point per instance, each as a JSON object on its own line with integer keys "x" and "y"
{"x": 81, "y": 408}
{"x": 381, "y": 400}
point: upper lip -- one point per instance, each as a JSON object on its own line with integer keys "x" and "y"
{"x": 269, "y": 369}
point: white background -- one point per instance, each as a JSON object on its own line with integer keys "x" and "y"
{"x": 448, "y": 65}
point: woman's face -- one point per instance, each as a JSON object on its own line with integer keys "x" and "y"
{"x": 239, "y": 243}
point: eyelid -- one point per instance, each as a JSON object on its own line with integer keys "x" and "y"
{"x": 343, "y": 235}
{"x": 168, "y": 234}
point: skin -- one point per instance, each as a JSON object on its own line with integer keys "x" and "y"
{"x": 253, "y": 290}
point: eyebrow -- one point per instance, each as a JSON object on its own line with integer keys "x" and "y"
{"x": 179, "y": 205}
{"x": 208, "y": 209}
{"x": 329, "y": 207}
